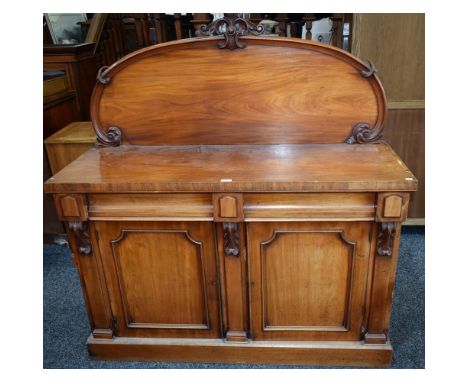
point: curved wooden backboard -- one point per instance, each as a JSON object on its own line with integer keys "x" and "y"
{"x": 276, "y": 90}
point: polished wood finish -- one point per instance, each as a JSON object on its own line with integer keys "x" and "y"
{"x": 392, "y": 207}
{"x": 234, "y": 279}
{"x": 312, "y": 81}
{"x": 383, "y": 279}
{"x": 253, "y": 168}
{"x": 150, "y": 207}
{"x": 93, "y": 285}
{"x": 69, "y": 143}
{"x": 225, "y": 229}
{"x": 59, "y": 109}
{"x": 161, "y": 278}
{"x": 309, "y": 207}
{"x": 71, "y": 206}
{"x": 228, "y": 207}
{"x": 289, "y": 304}
{"x": 345, "y": 353}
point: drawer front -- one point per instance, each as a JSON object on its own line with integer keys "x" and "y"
{"x": 154, "y": 207}
{"x": 308, "y": 279}
{"x": 161, "y": 278}
{"x": 309, "y": 207}
{"x": 234, "y": 207}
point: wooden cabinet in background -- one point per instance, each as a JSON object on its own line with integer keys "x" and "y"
{"x": 256, "y": 222}
{"x": 79, "y": 65}
{"x": 60, "y": 149}
{"x": 69, "y": 143}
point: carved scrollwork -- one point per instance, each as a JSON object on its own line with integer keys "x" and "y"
{"x": 231, "y": 239}
{"x": 100, "y": 76}
{"x": 112, "y": 137}
{"x": 231, "y": 27}
{"x": 387, "y": 233}
{"x": 363, "y": 133}
{"x": 370, "y": 69}
{"x": 80, "y": 231}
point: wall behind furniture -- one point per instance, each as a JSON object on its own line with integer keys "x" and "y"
{"x": 395, "y": 43}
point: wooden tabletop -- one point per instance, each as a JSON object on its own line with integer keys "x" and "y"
{"x": 241, "y": 168}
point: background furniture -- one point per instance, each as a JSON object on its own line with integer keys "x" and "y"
{"x": 69, "y": 143}
{"x": 243, "y": 224}
{"x": 395, "y": 43}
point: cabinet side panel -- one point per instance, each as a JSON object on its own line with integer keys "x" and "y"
{"x": 93, "y": 286}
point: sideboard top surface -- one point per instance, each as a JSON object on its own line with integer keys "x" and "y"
{"x": 242, "y": 168}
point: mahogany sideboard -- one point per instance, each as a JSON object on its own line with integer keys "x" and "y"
{"x": 240, "y": 205}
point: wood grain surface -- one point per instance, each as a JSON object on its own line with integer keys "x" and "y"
{"x": 161, "y": 278}
{"x": 275, "y": 91}
{"x": 304, "y": 277}
{"x": 349, "y": 353}
{"x": 315, "y": 168}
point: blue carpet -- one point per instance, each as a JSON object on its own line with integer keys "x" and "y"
{"x": 66, "y": 325}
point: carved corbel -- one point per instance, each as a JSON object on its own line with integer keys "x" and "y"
{"x": 386, "y": 238}
{"x": 231, "y": 27}
{"x": 231, "y": 238}
{"x": 79, "y": 229}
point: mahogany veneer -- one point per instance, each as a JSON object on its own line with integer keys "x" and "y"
{"x": 241, "y": 205}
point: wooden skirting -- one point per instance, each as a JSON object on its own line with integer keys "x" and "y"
{"x": 346, "y": 353}
{"x": 406, "y": 104}
{"x": 415, "y": 221}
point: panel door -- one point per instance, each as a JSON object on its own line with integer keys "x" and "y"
{"x": 161, "y": 278}
{"x": 308, "y": 279}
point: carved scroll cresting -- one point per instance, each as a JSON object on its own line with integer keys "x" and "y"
{"x": 231, "y": 239}
{"x": 80, "y": 231}
{"x": 231, "y": 27}
{"x": 386, "y": 238}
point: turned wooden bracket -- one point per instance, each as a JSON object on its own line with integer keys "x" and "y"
{"x": 231, "y": 27}
{"x": 385, "y": 242}
{"x": 80, "y": 231}
{"x": 231, "y": 238}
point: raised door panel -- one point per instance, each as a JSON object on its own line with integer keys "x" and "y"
{"x": 308, "y": 280}
{"x": 161, "y": 278}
